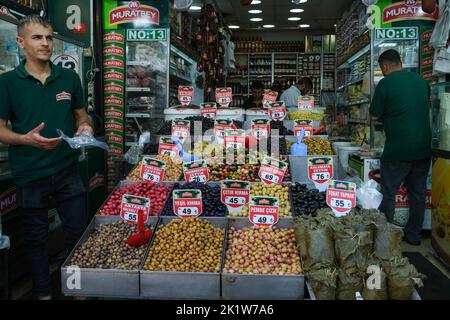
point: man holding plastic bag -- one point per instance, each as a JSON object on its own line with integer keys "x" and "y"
{"x": 401, "y": 101}
{"x": 38, "y": 98}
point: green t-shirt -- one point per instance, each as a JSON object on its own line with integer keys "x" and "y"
{"x": 402, "y": 100}
{"x": 26, "y": 102}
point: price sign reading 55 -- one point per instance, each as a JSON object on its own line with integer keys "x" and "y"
{"x": 130, "y": 216}
{"x": 188, "y": 211}
{"x": 340, "y": 203}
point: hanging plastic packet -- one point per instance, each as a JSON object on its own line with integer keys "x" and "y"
{"x": 83, "y": 140}
{"x": 133, "y": 155}
{"x": 367, "y": 196}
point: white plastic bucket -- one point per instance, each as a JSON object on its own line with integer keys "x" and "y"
{"x": 344, "y": 152}
{"x": 337, "y": 145}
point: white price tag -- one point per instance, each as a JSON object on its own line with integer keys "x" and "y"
{"x": 201, "y": 178}
{"x": 234, "y": 200}
{"x": 341, "y": 203}
{"x": 263, "y": 219}
{"x": 130, "y": 216}
{"x": 151, "y": 177}
{"x": 168, "y": 153}
{"x": 321, "y": 176}
{"x": 271, "y": 177}
{"x": 188, "y": 211}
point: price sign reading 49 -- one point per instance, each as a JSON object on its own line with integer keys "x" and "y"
{"x": 130, "y": 207}
{"x": 264, "y": 211}
{"x": 187, "y": 203}
{"x": 272, "y": 171}
{"x": 152, "y": 169}
{"x": 341, "y": 196}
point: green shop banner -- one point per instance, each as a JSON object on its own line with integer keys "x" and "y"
{"x": 426, "y": 53}
{"x": 135, "y": 14}
{"x": 396, "y": 13}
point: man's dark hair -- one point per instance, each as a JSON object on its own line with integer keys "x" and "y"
{"x": 306, "y": 82}
{"x": 390, "y": 57}
{"x": 34, "y": 18}
{"x": 257, "y": 85}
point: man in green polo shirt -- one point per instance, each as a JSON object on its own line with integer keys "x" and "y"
{"x": 37, "y": 98}
{"x": 401, "y": 101}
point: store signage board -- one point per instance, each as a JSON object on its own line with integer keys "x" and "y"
{"x": 220, "y": 125}
{"x": 185, "y": 95}
{"x": 260, "y": 128}
{"x": 187, "y": 203}
{"x": 234, "y": 138}
{"x": 268, "y": 98}
{"x": 152, "y": 169}
{"x": 196, "y": 171}
{"x": 130, "y": 207}
{"x": 406, "y": 11}
{"x": 146, "y": 35}
{"x": 272, "y": 171}
{"x": 208, "y": 110}
{"x": 235, "y": 194}
{"x": 264, "y": 211}
{"x": 306, "y": 103}
{"x": 320, "y": 171}
{"x": 277, "y": 111}
{"x": 303, "y": 124}
{"x": 167, "y": 147}
{"x": 224, "y": 96}
{"x": 341, "y": 196}
{"x": 397, "y": 33}
{"x": 181, "y": 130}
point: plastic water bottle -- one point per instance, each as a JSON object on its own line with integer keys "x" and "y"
{"x": 299, "y": 148}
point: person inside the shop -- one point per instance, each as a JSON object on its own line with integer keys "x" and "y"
{"x": 255, "y": 100}
{"x": 36, "y": 98}
{"x": 301, "y": 88}
{"x": 402, "y": 102}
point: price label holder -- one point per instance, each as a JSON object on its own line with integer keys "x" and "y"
{"x": 196, "y": 171}
{"x": 235, "y": 194}
{"x": 261, "y": 128}
{"x": 130, "y": 207}
{"x": 277, "y": 111}
{"x": 167, "y": 147}
{"x": 320, "y": 171}
{"x": 224, "y": 96}
{"x": 220, "y": 125}
{"x": 185, "y": 95}
{"x": 341, "y": 197}
{"x": 272, "y": 171}
{"x": 264, "y": 211}
{"x": 303, "y": 124}
{"x": 306, "y": 103}
{"x": 268, "y": 98}
{"x": 209, "y": 110}
{"x": 187, "y": 203}
{"x": 181, "y": 130}
{"x": 152, "y": 169}
{"x": 234, "y": 138}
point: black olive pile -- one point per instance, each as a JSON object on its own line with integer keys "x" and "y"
{"x": 305, "y": 201}
{"x": 282, "y": 130}
{"x": 207, "y": 124}
{"x": 212, "y": 206}
{"x": 151, "y": 149}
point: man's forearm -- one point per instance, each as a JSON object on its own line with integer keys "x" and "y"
{"x": 8, "y": 136}
{"x": 81, "y": 119}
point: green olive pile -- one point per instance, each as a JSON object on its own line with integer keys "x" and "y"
{"x": 106, "y": 248}
{"x": 318, "y": 146}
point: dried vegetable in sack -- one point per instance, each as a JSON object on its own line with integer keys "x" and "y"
{"x": 387, "y": 241}
{"x": 401, "y": 277}
{"x": 323, "y": 283}
{"x": 352, "y": 249}
{"x": 375, "y": 284}
{"x": 359, "y": 224}
{"x": 349, "y": 284}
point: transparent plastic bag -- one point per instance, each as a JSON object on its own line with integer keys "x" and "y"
{"x": 368, "y": 196}
{"x": 133, "y": 155}
{"x": 83, "y": 140}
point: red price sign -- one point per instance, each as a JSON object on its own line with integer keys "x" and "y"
{"x": 187, "y": 203}
{"x": 219, "y": 129}
{"x": 320, "y": 170}
{"x": 305, "y": 125}
{"x": 260, "y": 128}
{"x": 185, "y": 95}
{"x": 341, "y": 196}
{"x": 306, "y": 103}
{"x": 268, "y": 98}
{"x": 167, "y": 147}
{"x": 152, "y": 169}
{"x": 130, "y": 206}
{"x": 277, "y": 111}
{"x": 208, "y": 110}
{"x": 224, "y": 96}
{"x": 181, "y": 130}
{"x": 196, "y": 171}
{"x": 234, "y": 138}
{"x": 264, "y": 211}
{"x": 272, "y": 171}
{"x": 235, "y": 194}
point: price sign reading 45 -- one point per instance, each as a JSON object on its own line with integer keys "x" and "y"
{"x": 152, "y": 169}
{"x": 187, "y": 203}
{"x": 130, "y": 207}
{"x": 341, "y": 196}
{"x": 272, "y": 171}
{"x": 264, "y": 211}
{"x": 320, "y": 170}
{"x": 196, "y": 171}
{"x": 235, "y": 194}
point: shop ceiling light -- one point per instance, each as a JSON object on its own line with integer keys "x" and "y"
{"x": 297, "y": 10}
{"x": 299, "y": 1}
{"x": 256, "y": 2}
{"x": 195, "y": 8}
{"x": 256, "y": 19}
{"x": 268, "y": 26}
{"x": 304, "y": 26}
{"x": 254, "y": 11}
{"x": 294, "y": 19}
{"x": 233, "y": 27}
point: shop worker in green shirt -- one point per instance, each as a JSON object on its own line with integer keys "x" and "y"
{"x": 401, "y": 101}
{"x": 37, "y": 98}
